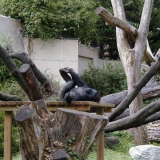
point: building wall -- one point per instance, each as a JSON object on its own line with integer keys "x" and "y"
{"x": 50, "y": 57}
{"x": 8, "y": 28}
{"x": 87, "y": 56}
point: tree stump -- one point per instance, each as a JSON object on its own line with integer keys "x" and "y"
{"x": 66, "y": 134}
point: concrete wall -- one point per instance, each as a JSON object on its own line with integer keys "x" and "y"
{"x": 8, "y": 28}
{"x": 52, "y": 56}
{"x": 86, "y": 56}
{"x": 49, "y": 57}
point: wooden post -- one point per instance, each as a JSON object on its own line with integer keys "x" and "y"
{"x": 100, "y": 142}
{"x": 8, "y": 135}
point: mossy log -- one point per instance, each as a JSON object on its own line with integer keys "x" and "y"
{"x": 66, "y": 134}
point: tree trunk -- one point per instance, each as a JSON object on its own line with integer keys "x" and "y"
{"x": 67, "y": 134}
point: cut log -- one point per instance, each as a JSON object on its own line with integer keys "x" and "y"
{"x": 153, "y": 131}
{"x": 32, "y": 84}
{"x": 44, "y": 135}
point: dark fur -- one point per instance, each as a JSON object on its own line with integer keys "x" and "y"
{"x": 71, "y": 93}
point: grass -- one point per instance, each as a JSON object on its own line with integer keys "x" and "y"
{"x": 117, "y": 152}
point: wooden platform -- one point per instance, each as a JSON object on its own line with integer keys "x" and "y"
{"x": 86, "y": 106}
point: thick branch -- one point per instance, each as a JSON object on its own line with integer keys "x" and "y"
{"x": 142, "y": 82}
{"x": 148, "y": 92}
{"x": 7, "y": 97}
{"x": 143, "y": 116}
{"x": 112, "y": 20}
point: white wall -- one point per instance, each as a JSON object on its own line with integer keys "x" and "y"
{"x": 54, "y": 55}
{"x": 8, "y": 27}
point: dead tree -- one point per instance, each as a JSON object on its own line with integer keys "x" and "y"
{"x": 131, "y": 57}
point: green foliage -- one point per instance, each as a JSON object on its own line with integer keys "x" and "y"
{"x": 110, "y": 79}
{"x": 154, "y": 34}
{"x": 55, "y": 84}
{"x": 13, "y": 88}
{"x": 54, "y": 19}
{"x": 71, "y": 152}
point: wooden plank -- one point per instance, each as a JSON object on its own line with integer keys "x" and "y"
{"x": 8, "y": 135}
{"x": 78, "y": 108}
{"x": 100, "y": 142}
{"x": 99, "y": 105}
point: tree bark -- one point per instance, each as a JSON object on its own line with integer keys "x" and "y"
{"x": 44, "y": 135}
{"x": 32, "y": 84}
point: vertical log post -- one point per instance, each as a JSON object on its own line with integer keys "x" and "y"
{"x": 8, "y": 135}
{"x": 100, "y": 142}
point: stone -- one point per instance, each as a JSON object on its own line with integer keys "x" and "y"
{"x": 60, "y": 155}
{"x": 145, "y": 152}
{"x": 110, "y": 141}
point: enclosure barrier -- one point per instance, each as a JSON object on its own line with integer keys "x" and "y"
{"x": 86, "y": 106}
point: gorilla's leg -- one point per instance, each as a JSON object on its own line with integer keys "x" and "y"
{"x": 70, "y": 84}
{"x": 64, "y": 74}
{"x": 76, "y": 77}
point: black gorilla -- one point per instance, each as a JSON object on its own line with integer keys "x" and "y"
{"x": 69, "y": 92}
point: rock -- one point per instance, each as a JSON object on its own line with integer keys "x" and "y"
{"x": 60, "y": 155}
{"x": 145, "y": 152}
{"x": 110, "y": 141}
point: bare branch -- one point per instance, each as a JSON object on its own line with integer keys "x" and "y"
{"x": 7, "y": 97}
{"x": 112, "y": 20}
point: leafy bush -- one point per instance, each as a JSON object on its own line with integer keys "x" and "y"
{"x": 54, "y": 19}
{"x": 109, "y": 79}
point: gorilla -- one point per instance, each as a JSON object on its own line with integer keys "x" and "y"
{"x": 75, "y": 89}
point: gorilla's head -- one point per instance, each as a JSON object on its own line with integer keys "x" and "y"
{"x": 93, "y": 95}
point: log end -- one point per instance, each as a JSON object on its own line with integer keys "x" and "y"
{"x": 23, "y": 113}
{"x": 24, "y": 68}
{"x": 99, "y": 10}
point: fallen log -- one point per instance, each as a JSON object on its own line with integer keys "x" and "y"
{"x": 67, "y": 134}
